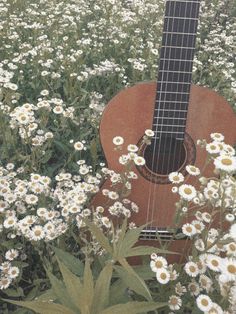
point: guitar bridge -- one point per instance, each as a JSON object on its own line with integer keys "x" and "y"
{"x": 161, "y": 234}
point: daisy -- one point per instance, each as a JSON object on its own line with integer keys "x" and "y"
{"x": 162, "y": 275}
{"x": 225, "y": 162}
{"x": 179, "y": 289}
{"x": 187, "y": 192}
{"x": 37, "y": 233}
{"x": 174, "y": 303}
{"x": 199, "y": 226}
{"x": 79, "y": 146}
{"x": 11, "y": 254}
{"x": 215, "y": 309}
{"x": 229, "y": 150}
{"x": 194, "y": 288}
{"x": 176, "y": 177}
{"x": 228, "y": 268}
{"x": 132, "y": 148}
{"x": 113, "y": 195}
{"x": 139, "y": 161}
{"x": 213, "y": 148}
{"x": 204, "y": 303}
{"x": 118, "y": 140}
{"x": 158, "y": 263}
{"x": 191, "y": 269}
{"x": 213, "y": 262}
{"x": 13, "y": 272}
{"x": 194, "y": 171}
{"x": 4, "y": 282}
{"x": 205, "y": 282}
{"x": 31, "y": 199}
{"x": 231, "y": 248}
{"x": 188, "y": 229}
{"x": 149, "y": 133}
{"x": 10, "y": 222}
{"x": 217, "y": 137}
{"x": 58, "y": 109}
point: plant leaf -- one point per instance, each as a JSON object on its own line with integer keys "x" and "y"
{"x": 88, "y": 289}
{"x": 43, "y": 307}
{"x": 132, "y": 280}
{"x": 133, "y": 308}
{"x": 71, "y": 262}
{"x": 73, "y": 285}
{"x": 146, "y": 250}
{"x": 118, "y": 292}
{"x": 99, "y": 236}
{"x": 101, "y": 291}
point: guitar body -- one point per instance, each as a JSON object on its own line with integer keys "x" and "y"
{"x": 129, "y": 114}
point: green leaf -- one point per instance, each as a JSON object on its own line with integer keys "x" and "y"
{"x": 48, "y": 295}
{"x": 146, "y": 250}
{"x": 71, "y": 262}
{"x": 132, "y": 280}
{"x": 59, "y": 289}
{"x": 73, "y": 285}
{"x": 99, "y": 236}
{"x": 43, "y": 307}
{"x": 88, "y": 289}
{"x": 133, "y": 308}
{"x": 102, "y": 289}
{"x": 118, "y": 292}
{"x": 93, "y": 150}
{"x": 131, "y": 237}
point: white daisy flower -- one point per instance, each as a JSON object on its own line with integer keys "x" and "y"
{"x": 204, "y": 303}
{"x": 226, "y": 163}
{"x": 118, "y": 140}
{"x": 187, "y": 192}
{"x": 213, "y": 262}
{"x": 158, "y": 263}
{"x": 163, "y": 276}
{"x": 229, "y": 150}
{"x": 113, "y": 195}
{"x": 194, "y": 171}
{"x": 194, "y": 288}
{"x": 217, "y": 137}
{"x": 37, "y": 233}
{"x": 228, "y": 268}
{"x": 11, "y": 254}
{"x": 188, "y": 229}
{"x": 174, "y": 303}
{"x": 230, "y": 248}
{"x": 31, "y": 199}
{"x": 10, "y": 222}
{"x": 149, "y": 133}
{"x": 78, "y": 146}
{"x": 139, "y": 161}
{"x": 199, "y": 225}
{"x": 58, "y": 109}
{"x": 213, "y": 148}
{"x": 176, "y": 177}
{"x": 4, "y": 282}
{"x": 215, "y": 309}
{"x": 132, "y": 148}
{"x": 13, "y": 272}
{"x": 191, "y": 269}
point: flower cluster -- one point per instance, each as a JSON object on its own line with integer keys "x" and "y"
{"x": 9, "y": 272}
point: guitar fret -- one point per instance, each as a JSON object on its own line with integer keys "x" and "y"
{"x": 183, "y": 1}
{"x": 170, "y": 125}
{"x": 179, "y": 33}
{"x": 156, "y": 131}
{"x": 181, "y": 18}
{"x": 173, "y": 101}
{"x": 186, "y": 83}
{"x": 168, "y": 118}
{"x": 175, "y": 60}
{"x": 175, "y": 71}
{"x": 162, "y": 109}
{"x": 180, "y": 47}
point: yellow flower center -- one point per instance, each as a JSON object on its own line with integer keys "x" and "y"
{"x": 232, "y": 247}
{"x": 204, "y": 302}
{"x": 231, "y": 269}
{"x": 192, "y": 269}
{"x": 37, "y": 232}
{"x": 214, "y": 262}
{"x": 187, "y": 191}
{"x": 158, "y": 264}
{"x": 189, "y": 229}
{"x": 163, "y": 276}
{"x": 226, "y": 161}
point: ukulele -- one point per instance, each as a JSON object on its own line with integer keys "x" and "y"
{"x": 179, "y": 114}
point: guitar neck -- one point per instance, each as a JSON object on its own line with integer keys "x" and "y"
{"x": 175, "y": 67}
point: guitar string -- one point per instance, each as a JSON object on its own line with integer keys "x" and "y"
{"x": 154, "y": 201}
{"x": 189, "y": 43}
{"x": 173, "y": 87}
{"x": 193, "y": 42}
{"x": 158, "y": 94}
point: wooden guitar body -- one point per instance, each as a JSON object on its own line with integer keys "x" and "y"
{"x": 130, "y": 113}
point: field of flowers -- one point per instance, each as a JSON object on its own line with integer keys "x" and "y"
{"x": 60, "y": 63}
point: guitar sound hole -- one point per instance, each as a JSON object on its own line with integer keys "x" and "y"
{"x": 165, "y": 155}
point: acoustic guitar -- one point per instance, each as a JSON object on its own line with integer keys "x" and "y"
{"x": 179, "y": 114}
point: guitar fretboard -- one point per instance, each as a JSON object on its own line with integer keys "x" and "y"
{"x": 175, "y": 68}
